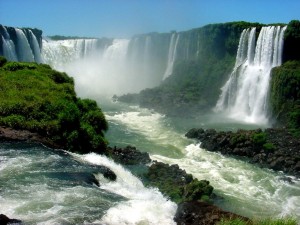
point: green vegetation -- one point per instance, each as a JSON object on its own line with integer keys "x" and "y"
{"x": 259, "y": 138}
{"x": 199, "y": 73}
{"x": 36, "y": 98}
{"x": 285, "y": 95}
{"x": 177, "y": 184}
{"x": 237, "y": 221}
{"x": 292, "y": 41}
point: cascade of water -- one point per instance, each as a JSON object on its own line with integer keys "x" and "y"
{"x": 117, "y": 50}
{"x": 147, "y": 49}
{"x": 36, "y": 48}
{"x": 172, "y": 54}
{"x": 8, "y": 46}
{"x": 23, "y": 48}
{"x": 244, "y": 96}
{"x": 60, "y": 53}
{"x": 90, "y": 45}
{"x": 142, "y": 205}
{"x": 9, "y": 49}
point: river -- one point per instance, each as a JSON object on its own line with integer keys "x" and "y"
{"x": 46, "y": 186}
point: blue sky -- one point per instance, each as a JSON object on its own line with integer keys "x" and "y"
{"x": 124, "y": 18}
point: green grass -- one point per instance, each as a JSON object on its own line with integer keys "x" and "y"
{"x": 36, "y": 98}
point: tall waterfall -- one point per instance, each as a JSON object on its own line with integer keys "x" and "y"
{"x": 24, "y": 51}
{"x": 19, "y": 45}
{"x": 244, "y": 95}
{"x": 172, "y": 54}
{"x": 60, "y": 53}
{"x": 36, "y": 48}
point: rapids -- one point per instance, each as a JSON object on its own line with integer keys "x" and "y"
{"x": 244, "y": 188}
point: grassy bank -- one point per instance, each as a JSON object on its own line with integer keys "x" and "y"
{"x": 36, "y": 98}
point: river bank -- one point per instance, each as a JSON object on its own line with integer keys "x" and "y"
{"x": 276, "y": 149}
{"x": 190, "y": 194}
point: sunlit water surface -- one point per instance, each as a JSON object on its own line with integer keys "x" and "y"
{"x": 37, "y": 184}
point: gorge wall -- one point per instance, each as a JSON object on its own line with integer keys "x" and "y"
{"x": 21, "y": 44}
{"x": 200, "y": 62}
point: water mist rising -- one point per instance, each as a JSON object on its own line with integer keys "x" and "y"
{"x": 244, "y": 95}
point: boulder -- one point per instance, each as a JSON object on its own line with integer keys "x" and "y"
{"x": 4, "y": 220}
{"x": 201, "y": 213}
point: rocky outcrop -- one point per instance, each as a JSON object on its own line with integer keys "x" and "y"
{"x": 276, "y": 149}
{"x": 128, "y": 155}
{"x": 9, "y": 134}
{"x": 201, "y": 213}
{"x": 177, "y": 184}
{"x": 4, "y": 220}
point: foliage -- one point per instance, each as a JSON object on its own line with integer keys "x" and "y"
{"x": 39, "y": 99}
{"x": 285, "y": 94}
{"x": 177, "y": 184}
{"x": 292, "y": 41}
{"x": 269, "y": 146}
{"x": 259, "y": 138}
{"x": 2, "y": 61}
{"x": 198, "y": 73}
{"x": 238, "y": 137}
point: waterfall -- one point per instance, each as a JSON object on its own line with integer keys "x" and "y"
{"x": 9, "y": 49}
{"x": 59, "y": 54}
{"x": 116, "y": 51}
{"x": 20, "y": 45}
{"x": 23, "y": 48}
{"x": 244, "y": 95}
{"x": 171, "y": 55}
{"x": 36, "y": 48}
{"x": 8, "y": 46}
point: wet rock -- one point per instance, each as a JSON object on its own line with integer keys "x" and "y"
{"x": 9, "y": 134}
{"x": 201, "y": 213}
{"x": 177, "y": 184}
{"x": 109, "y": 174}
{"x": 4, "y": 220}
{"x": 128, "y": 156}
{"x": 273, "y": 148}
{"x": 74, "y": 178}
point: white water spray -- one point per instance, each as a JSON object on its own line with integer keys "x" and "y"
{"x": 36, "y": 48}
{"x": 244, "y": 96}
{"x": 24, "y": 50}
{"x": 143, "y": 205}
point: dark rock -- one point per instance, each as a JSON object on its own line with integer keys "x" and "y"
{"x": 273, "y": 148}
{"x": 9, "y": 134}
{"x": 75, "y": 178}
{"x": 128, "y": 155}
{"x": 109, "y": 174}
{"x": 4, "y": 220}
{"x": 177, "y": 184}
{"x": 201, "y": 213}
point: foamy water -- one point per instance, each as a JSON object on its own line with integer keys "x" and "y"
{"x": 246, "y": 188}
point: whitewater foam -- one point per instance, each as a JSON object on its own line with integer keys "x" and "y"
{"x": 244, "y": 96}
{"x": 250, "y": 188}
{"x": 143, "y": 205}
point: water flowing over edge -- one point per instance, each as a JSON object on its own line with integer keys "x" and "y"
{"x": 244, "y": 95}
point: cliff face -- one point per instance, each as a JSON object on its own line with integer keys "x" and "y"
{"x": 12, "y": 42}
{"x": 285, "y": 82}
{"x": 204, "y": 59}
{"x": 292, "y": 41}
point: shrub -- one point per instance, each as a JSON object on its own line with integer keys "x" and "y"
{"x": 2, "y": 61}
{"x": 269, "y": 146}
{"x": 259, "y": 138}
{"x": 39, "y": 99}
